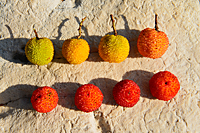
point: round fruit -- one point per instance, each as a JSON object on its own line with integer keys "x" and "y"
{"x": 152, "y": 43}
{"x": 76, "y": 51}
{"x": 113, "y": 48}
{"x": 44, "y": 99}
{"x": 39, "y": 51}
{"x": 88, "y": 98}
{"x": 164, "y": 85}
{"x": 126, "y": 93}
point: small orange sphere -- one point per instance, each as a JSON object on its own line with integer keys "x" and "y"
{"x": 88, "y": 98}
{"x": 152, "y": 43}
{"x": 44, "y": 99}
{"x": 75, "y": 51}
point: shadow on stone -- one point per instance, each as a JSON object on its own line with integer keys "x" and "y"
{"x": 77, "y": 3}
{"x": 17, "y": 97}
{"x": 106, "y": 86}
{"x": 13, "y": 50}
{"x": 66, "y": 92}
{"x": 141, "y": 78}
{"x": 132, "y": 36}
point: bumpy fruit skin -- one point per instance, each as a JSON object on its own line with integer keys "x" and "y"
{"x": 75, "y": 51}
{"x": 113, "y": 49}
{"x": 44, "y": 99}
{"x": 152, "y": 43}
{"x": 88, "y": 98}
{"x": 39, "y": 51}
{"x": 126, "y": 93}
{"x": 164, "y": 85}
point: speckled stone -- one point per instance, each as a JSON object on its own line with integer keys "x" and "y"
{"x": 59, "y": 20}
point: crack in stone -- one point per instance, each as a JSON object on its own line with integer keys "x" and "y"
{"x": 102, "y": 124}
{"x": 145, "y": 122}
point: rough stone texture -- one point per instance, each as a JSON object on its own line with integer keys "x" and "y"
{"x": 59, "y": 20}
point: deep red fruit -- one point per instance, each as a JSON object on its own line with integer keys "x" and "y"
{"x": 44, "y": 99}
{"x": 88, "y": 98}
{"x": 164, "y": 85}
{"x": 126, "y": 93}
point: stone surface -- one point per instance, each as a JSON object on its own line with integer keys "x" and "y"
{"x": 59, "y": 20}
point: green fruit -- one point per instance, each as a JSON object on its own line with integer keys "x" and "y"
{"x": 39, "y": 51}
{"x": 113, "y": 48}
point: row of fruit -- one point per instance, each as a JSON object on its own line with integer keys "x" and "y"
{"x": 115, "y": 48}
{"x": 163, "y": 85}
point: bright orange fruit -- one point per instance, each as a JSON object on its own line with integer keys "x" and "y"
{"x": 88, "y": 98}
{"x": 152, "y": 43}
{"x": 44, "y": 99}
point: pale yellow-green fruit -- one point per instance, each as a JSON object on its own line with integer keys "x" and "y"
{"x": 39, "y": 51}
{"x": 75, "y": 51}
{"x": 113, "y": 48}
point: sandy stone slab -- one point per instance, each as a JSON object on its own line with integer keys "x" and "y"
{"x": 59, "y": 20}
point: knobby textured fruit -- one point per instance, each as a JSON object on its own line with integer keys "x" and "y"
{"x": 164, "y": 85}
{"x": 126, "y": 93}
{"x": 113, "y": 48}
{"x": 152, "y": 43}
{"x": 39, "y": 51}
{"x": 44, "y": 99}
{"x": 88, "y": 98}
{"x": 76, "y": 51}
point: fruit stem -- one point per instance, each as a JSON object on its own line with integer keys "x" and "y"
{"x": 79, "y": 29}
{"x": 156, "y": 24}
{"x": 113, "y": 25}
{"x": 36, "y": 34}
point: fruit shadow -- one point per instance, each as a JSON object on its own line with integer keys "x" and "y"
{"x": 141, "y": 78}
{"x": 12, "y": 49}
{"x": 106, "y": 86}
{"x": 66, "y": 92}
{"x": 17, "y": 97}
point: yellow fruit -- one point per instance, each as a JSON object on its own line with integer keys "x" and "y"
{"x": 113, "y": 48}
{"x": 75, "y": 51}
{"x": 39, "y": 51}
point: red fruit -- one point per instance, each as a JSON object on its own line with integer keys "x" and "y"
{"x": 88, "y": 98}
{"x": 152, "y": 43}
{"x": 44, "y": 99}
{"x": 164, "y": 85}
{"x": 126, "y": 93}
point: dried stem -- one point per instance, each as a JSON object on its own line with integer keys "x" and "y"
{"x": 36, "y": 34}
{"x": 113, "y": 25}
{"x": 81, "y": 24}
{"x": 156, "y": 24}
